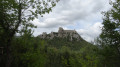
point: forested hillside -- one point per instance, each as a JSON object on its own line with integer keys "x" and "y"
{"x": 33, "y": 51}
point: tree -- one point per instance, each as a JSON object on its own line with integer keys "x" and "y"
{"x": 17, "y": 14}
{"x": 111, "y": 26}
{"x": 109, "y": 39}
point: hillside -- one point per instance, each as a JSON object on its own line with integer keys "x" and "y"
{"x": 59, "y": 42}
{"x": 61, "y": 52}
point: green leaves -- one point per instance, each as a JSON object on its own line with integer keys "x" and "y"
{"x": 109, "y": 40}
{"x": 111, "y": 24}
{"x": 16, "y": 17}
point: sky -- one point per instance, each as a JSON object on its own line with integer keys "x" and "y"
{"x": 84, "y": 16}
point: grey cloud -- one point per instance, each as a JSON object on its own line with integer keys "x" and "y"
{"x": 70, "y": 12}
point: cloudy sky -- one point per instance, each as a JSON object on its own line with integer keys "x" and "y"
{"x": 82, "y": 15}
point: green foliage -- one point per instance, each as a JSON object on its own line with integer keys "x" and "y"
{"x": 29, "y": 51}
{"x": 74, "y": 54}
{"x": 59, "y": 42}
{"x": 111, "y": 25}
{"x": 109, "y": 41}
{"x": 16, "y": 17}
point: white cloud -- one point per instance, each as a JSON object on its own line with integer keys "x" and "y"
{"x": 68, "y": 12}
{"x": 74, "y": 14}
{"x": 91, "y": 32}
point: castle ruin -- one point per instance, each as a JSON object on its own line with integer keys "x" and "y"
{"x": 62, "y": 34}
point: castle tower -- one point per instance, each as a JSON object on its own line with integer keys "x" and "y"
{"x": 44, "y": 35}
{"x": 60, "y": 30}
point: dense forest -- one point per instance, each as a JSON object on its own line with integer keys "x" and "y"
{"x": 26, "y": 50}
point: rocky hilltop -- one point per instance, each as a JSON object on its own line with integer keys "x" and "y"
{"x": 71, "y": 34}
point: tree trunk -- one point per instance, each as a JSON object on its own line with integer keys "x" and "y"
{"x": 8, "y": 53}
{"x": 9, "y": 56}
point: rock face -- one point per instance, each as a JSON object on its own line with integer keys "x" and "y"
{"x": 62, "y": 34}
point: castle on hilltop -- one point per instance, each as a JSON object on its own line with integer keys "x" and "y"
{"x": 62, "y": 34}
